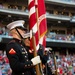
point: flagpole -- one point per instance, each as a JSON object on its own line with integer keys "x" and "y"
{"x": 33, "y": 34}
{"x": 35, "y": 54}
{"x": 40, "y": 65}
{"x": 37, "y": 18}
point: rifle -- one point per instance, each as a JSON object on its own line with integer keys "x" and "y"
{"x": 55, "y": 63}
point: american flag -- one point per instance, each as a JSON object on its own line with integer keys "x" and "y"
{"x": 37, "y": 24}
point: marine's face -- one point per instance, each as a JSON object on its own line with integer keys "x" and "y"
{"x": 27, "y": 42}
{"x": 22, "y": 32}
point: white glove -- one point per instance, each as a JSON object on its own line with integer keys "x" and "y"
{"x": 36, "y": 60}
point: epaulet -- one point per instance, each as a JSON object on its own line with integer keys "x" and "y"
{"x": 12, "y": 41}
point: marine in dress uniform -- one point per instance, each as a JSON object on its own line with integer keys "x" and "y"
{"x": 29, "y": 51}
{"x": 16, "y": 51}
{"x": 47, "y": 69}
{"x": 27, "y": 45}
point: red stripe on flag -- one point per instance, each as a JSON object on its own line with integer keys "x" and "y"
{"x": 42, "y": 20}
{"x": 41, "y": 7}
{"x": 31, "y": 4}
{"x": 32, "y": 20}
{"x": 44, "y": 41}
{"x": 43, "y": 27}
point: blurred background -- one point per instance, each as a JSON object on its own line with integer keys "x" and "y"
{"x": 60, "y": 36}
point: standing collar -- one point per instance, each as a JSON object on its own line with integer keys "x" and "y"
{"x": 17, "y": 40}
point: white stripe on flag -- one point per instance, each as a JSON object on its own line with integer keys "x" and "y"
{"x": 34, "y": 28}
{"x": 32, "y": 11}
{"x": 30, "y": 1}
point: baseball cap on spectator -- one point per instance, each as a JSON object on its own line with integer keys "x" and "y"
{"x": 47, "y": 49}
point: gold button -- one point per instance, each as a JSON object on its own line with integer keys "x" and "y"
{"x": 23, "y": 52}
{"x": 28, "y": 65}
{"x": 31, "y": 64}
{"x": 27, "y": 59}
{"x": 21, "y": 45}
{"x": 25, "y": 56}
{"x": 22, "y": 49}
{"x": 22, "y": 73}
{"x": 25, "y": 65}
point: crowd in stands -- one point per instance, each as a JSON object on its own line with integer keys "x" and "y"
{"x": 68, "y": 37}
{"x": 68, "y": 0}
{"x": 3, "y": 31}
{"x": 50, "y": 12}
{"x": 4, "y": 64}
{"x": 65, "y": 64}
{"x": 52, "y": 35}
{"x": 14, "y": 7}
